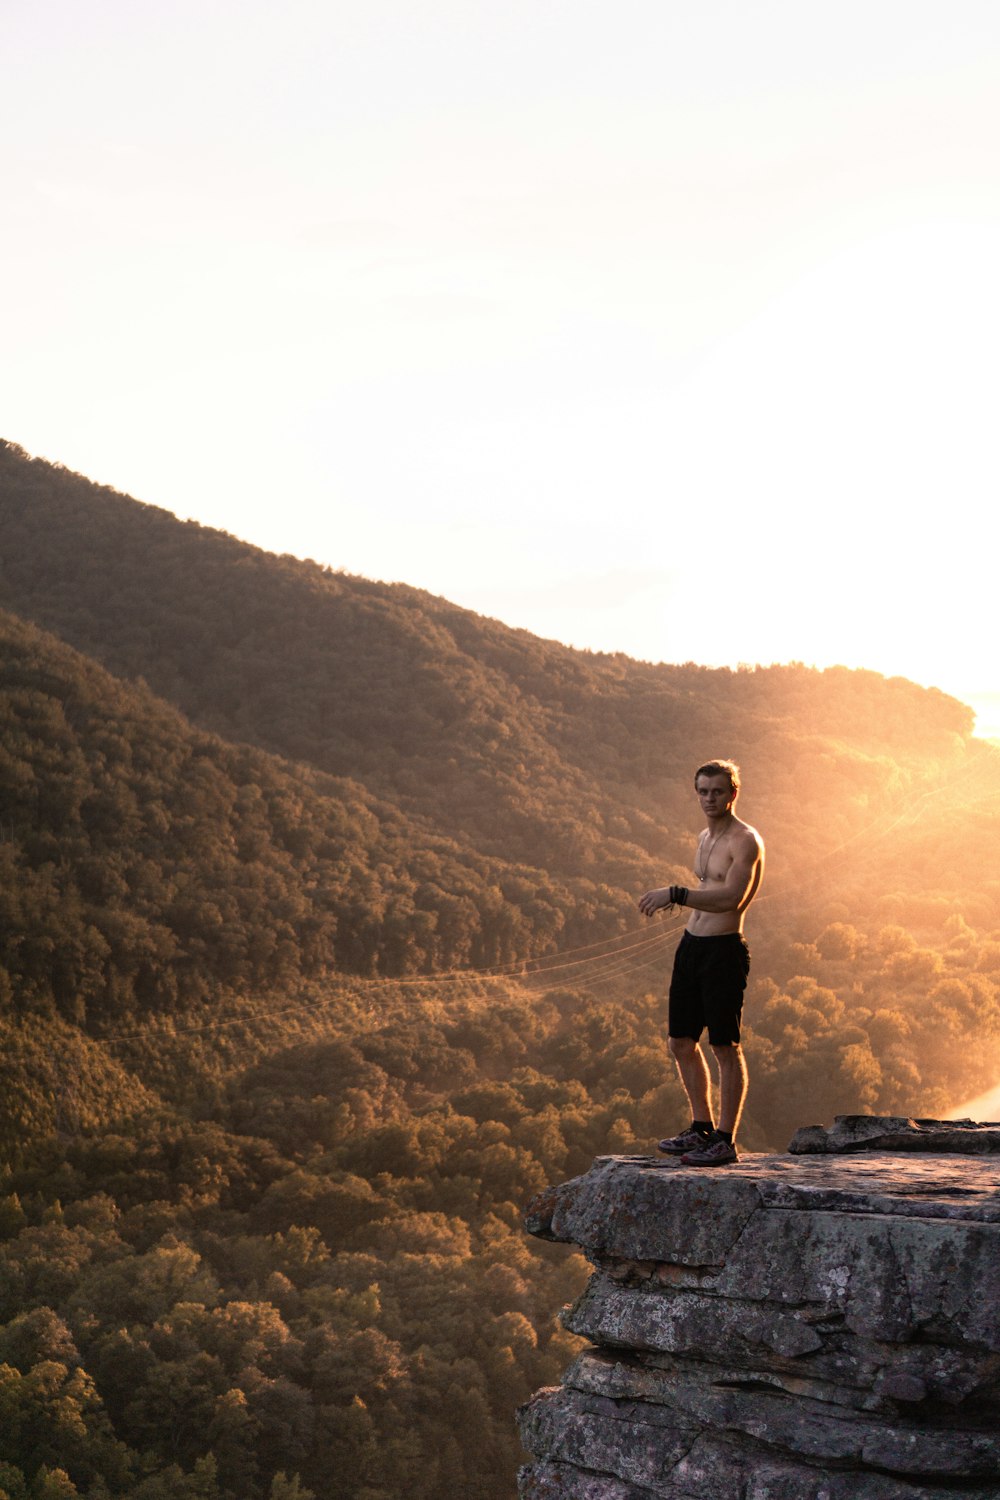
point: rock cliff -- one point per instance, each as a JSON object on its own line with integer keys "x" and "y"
{"x": 820, "y": 1325}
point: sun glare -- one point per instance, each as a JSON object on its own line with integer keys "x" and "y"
{"x": 839, "y": 439}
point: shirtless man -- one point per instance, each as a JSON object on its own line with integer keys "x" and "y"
{"x": 711, "y": 966}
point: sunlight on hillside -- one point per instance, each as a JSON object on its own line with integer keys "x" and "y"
{"x": 984, "y": 1107}
{"x": 986, "y": 706}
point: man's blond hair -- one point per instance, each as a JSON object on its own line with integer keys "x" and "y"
{"x": 720, "y": 768}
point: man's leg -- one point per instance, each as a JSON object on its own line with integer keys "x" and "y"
{"x": 720, "y": 1149}
{"x": 685, "y": 1025}
{"x": 697, "y": 1080}
{"x": 733, "y": 1083}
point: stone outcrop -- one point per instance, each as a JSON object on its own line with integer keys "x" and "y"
{"x": 823, "y": 1325}
{"x": 895, "y": 1133}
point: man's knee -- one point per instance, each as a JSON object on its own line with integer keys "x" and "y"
{"x": 682, "y": 1047}
{"x": 728, "y": 1054}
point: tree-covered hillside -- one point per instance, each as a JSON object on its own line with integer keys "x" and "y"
{"x": 149, "y": 864}
{"x": 318, "y": 1287}
{"x": 572, "y": 762}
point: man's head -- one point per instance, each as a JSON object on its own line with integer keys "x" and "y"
{"x": 720, "y": 768}
{"x": 717, "y": 783}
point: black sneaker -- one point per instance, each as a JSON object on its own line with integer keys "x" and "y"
{"x": 688, "y": 1140}
{"x": 715, "y": 1152}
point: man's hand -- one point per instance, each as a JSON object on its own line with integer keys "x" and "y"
{"x": 654, "y": 901}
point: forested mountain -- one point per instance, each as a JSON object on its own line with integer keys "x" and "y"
{"x": 319, "y": 954}
{"x": 150, "y": 863}
{"x": 574, "y": 762}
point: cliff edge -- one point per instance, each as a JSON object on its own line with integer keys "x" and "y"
{"x": 819, "y": 1325}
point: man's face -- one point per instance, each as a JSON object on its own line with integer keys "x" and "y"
{"x": 715, "y": 795}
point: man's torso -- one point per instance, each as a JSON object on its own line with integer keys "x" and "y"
{"x": 713, "y": 862}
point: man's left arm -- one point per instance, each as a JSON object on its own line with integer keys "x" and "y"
{"x": 740, "y": 885}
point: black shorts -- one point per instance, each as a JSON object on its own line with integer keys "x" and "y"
{"x": 706, "y": 987}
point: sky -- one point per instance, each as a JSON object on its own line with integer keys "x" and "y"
{"x": 661, "y": 327}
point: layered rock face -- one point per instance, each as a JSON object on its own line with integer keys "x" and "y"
{"x": 821, "y": 1325}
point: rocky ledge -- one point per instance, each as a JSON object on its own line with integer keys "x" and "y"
{"x": 823, "y": 1325}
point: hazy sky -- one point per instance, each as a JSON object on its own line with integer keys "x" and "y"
{"x": 662, "y": 326}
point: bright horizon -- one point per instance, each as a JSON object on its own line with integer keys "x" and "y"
{"x": 664, "y": 329}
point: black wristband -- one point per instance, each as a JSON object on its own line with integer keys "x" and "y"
{"x": 678, "y": 895}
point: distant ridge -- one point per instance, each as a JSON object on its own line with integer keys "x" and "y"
{"x": 487, "y": 732}
{"x": 148, "y": 865}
